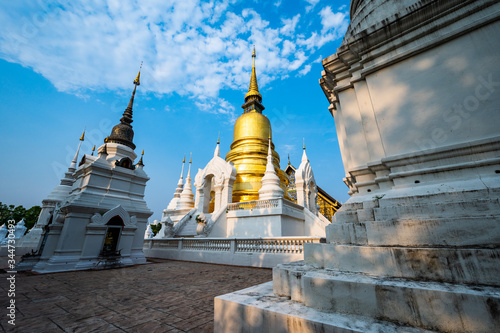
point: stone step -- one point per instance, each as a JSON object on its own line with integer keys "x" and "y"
{"x": 188, "y": 229}
{"x": 463, "y": 232}
{"x": 465, "y": 265}
{"x": 424, "y": 209}
{"x": 257, "y": 309}
{"x": 428, "y": 305}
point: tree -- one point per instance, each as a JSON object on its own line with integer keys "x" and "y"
{"x": 12, "y": 212}
{"x": 155, "y": 228}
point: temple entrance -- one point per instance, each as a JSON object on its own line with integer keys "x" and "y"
{"x": 211, "y": 205}
{"x": 115, "y": 226}
{"x": 209, "y": 195}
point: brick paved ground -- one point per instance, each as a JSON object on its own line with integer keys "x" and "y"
{"x": 164, "y": 296}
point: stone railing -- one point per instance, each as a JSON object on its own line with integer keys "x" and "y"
{"x": 251, "y": 252}
{"x": 206, "y": 244}
{"x": 285, "y": 245}
{"x": 273, "y": 245}
{"x": 213, "y": 219}
{"x": 180, "y": 224}
{"x": 273, "y": 203}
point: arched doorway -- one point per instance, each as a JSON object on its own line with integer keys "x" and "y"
{"x": 211, "y": 205}
{"x": 312, "y": 197}
{"x": 209, "y": 195}
{"x": 113, "y": 232}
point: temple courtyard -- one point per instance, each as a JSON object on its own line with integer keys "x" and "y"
{"x": 161, "y": 296}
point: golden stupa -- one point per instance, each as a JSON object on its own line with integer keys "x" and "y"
{"x": 250, "y": 145}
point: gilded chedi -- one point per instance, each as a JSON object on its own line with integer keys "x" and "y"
{"x": 250, "y": 145}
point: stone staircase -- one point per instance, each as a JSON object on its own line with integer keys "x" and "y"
{"x": 429, "y": 271}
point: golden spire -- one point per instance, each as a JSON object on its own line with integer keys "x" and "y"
{"x": 83, "y": 136}
{"x": 137, "y": 80}
{"x": 304, "y": 143}
{"x": 141, "y": 163}
{"x": 190, "y": 154}
{"x": 253, "y": 89}
{"x": 184, "y": 159}
{"x": 218, "y": 136}
{"x": 93, "y": 150}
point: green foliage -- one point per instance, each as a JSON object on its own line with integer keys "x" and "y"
{"x": 155, "y": 228}
{"x": 8, "y": 212}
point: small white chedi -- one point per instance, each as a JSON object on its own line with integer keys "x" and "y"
{"x": 414, "y": 90}
{"x": 98, "y": 213}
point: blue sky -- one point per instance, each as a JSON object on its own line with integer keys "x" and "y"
{"x": 67, "y": 66}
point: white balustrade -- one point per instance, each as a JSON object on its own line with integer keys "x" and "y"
{"x": 272, "y": 203}
{"x": 285, "y": 245}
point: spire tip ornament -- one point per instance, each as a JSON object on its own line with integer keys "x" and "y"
{"x": 137, "y": 80}
{"x": 253, "y": 89}
{"x": 123, "y": 132}
{"x": 141, "y": 162}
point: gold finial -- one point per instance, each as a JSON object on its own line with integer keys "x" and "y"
{"x": 137, "y": 80}
{"x": 253, "y": 89}
{"x": 141, "y": 162}
{"x": 288, "y": 159}
{"x": 106, "y": 139}
{"x": 83, "y": 136}
{"x": 184, "y": 159}
{"x": 303, "y": 143}
{"x": 190, "y": 154}
{"x": 218, "y": 136}
{"x": 93, "y": 150}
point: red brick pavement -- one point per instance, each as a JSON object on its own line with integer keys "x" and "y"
{"x": 164, "y": 296}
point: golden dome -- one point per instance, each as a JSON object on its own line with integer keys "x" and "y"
{"x": 252, "y": 125}
{"x": 249, "y": 156}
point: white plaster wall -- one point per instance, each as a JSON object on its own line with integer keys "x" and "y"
{"x": 437, "y": 98}
{"x": 292, "y": 227}
{"x": 73, "y": 233}
{"x": 254, "y": 226}
{"x": 249, "y": 259}
{"x": 314, "y": 225}
{"x": 220, "y": 227}
{"x": 351, "y": 118}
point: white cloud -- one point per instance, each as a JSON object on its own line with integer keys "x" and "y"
{"x": 286, "y": 149}
{"x": 311, "y": 3}
{"x": 189, "y": 47}
{"x": 305, "y": 70}
{"x": 288, "y": 48}
{"x": 333, "y": 21}
{"x": 289, "y": 25}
